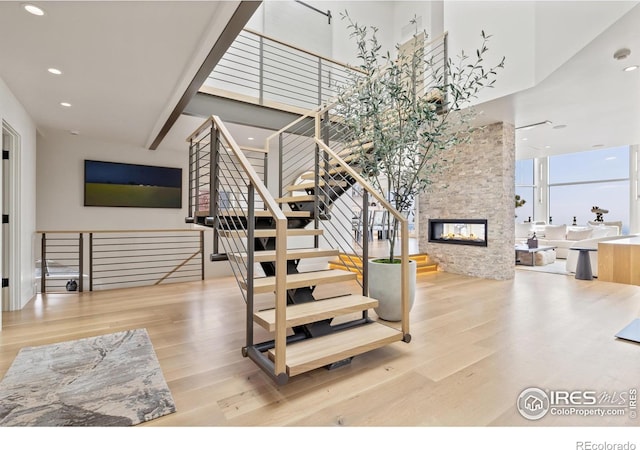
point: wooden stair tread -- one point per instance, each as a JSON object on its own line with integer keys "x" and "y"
{"x": 298, "y": 253}
{"x": 304, "y": 279}
{"x": 354, "y": 263}
{"x": 313, "y": 353}
{"x": 263, "y": 213}
{"x": 296, "y": 199}
{"x": 317, "y": 310}
{"x": 271, "y": 232}
{"x": 312, "y": 175}
{"x": 311, "y": 185}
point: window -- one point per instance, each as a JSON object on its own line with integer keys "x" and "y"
{"x": 580, "y": 181}
{"x": 525, "y": 189}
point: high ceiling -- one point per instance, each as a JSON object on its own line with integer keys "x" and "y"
{"x": 126, "y": 64}
{"x": 590, "y": 101}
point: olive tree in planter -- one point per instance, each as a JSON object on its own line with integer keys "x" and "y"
{"x": 413, "y": 107}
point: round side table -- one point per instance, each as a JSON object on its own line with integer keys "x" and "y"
{"x": 583, "y": 267}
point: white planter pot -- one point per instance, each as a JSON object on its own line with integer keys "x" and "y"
{"x": 385, "y": 285}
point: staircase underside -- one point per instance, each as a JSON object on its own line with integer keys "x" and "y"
{"x": 242, "y": 112}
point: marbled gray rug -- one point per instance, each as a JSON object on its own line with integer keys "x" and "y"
{"x": 110, "y": 380}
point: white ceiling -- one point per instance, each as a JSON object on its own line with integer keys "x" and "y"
{"x": 597, "y": 101}
{"x": 125, "y": 65}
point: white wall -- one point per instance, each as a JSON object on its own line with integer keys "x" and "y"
{"x": 60, "y": 188}
{"x": 13, "y": 113}
{"x": 512, "y": 26}
{"x": 536, "y": 37}
{"x": 60, "y": 191}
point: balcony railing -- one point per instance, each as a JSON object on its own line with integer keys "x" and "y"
{"x": 275, "y": 72}
{"x": 98, "y": 260}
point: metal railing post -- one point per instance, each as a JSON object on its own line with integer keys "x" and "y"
{"x": 191, "y": 189}
{"x": 90, "y": 261}
{"x": 266, "y": 169}
{"x": 202, "y": 254}
{"x": 280, "y": 156}
{"x": 316, "y": 199}
{"x": 80, "y": 262}
{"x": 214, "y": 183}
{"x": 319, "y": 81}
{"x": 251, "y": 224}
{"x": 261, "y": 72}
{"x": 43, "y": 263}
{"x": 365, "y": 243}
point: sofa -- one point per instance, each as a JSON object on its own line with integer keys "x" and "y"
{"x": 564, "y": 236}
{"x": 572, "y": 256}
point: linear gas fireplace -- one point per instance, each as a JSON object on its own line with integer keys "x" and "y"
{"x": 458, "y": 231}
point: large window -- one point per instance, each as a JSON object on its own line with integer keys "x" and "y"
{"x": 525, "y": 187}
{"x": 580, "y": 181}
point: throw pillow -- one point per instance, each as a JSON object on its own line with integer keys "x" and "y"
{"x": 578, "y": 235}
{"x": 524, "y": 230}
{"x": 555, "y": 232}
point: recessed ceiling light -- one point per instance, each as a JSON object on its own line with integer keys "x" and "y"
{"x": 558, "y": 127}
{"x": 33, "y": 9}
{"x": 54, "y": 71}
{"x": 251, "y": 139}
{"x": 547, "y": 146}
{"x": 65, "y": 104}
{"x": 74, "y": 132}
{"x": 621, "y": 54}
{"x": 525, "y": 139}
{"x": 630, "y": 68}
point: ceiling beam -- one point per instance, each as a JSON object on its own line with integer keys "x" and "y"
{"x": 237, "y": 22}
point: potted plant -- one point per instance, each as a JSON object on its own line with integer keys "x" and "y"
{"x": 413, "y": 107}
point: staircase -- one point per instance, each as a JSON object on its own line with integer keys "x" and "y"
{"x": 259, "y": 232}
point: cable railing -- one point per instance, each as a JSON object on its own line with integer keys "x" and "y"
{"x": 240, "y": 210}
{"x": 319, "y": 179}
{"x": 273, "y": 71}
{"x": 78, "y": 261}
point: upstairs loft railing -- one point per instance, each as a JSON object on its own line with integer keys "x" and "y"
{"x": 295, "y": 143}
{"x": 71, "y": 261}
{"x": 271, "y": 71}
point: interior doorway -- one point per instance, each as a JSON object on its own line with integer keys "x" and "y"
{"x": 9, "y": 202}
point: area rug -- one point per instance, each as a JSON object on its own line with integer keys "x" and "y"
{"x": 109, "y": 380}
{"x": 558, "y": 267}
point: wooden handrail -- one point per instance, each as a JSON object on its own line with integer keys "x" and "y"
{"x": 281, "y": 246}
{"x": 348, "y": 169}
{"x": 309, "y": 114}
{"x": 254, "y": 178}
{"x": 404, "y": 228}
{"x": 158, "y": 230}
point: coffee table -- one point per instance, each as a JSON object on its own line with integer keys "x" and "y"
{"x": 520, "y": 249}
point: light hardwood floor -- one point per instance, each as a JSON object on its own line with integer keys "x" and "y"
{"x": 476, "y": 345}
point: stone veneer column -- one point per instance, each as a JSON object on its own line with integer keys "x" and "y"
{"x": 478, "y": 184}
